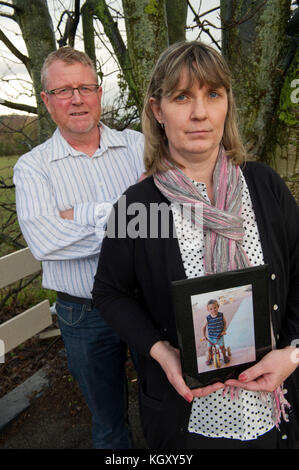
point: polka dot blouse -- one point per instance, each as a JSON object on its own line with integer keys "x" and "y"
{"x": 249, "y": 415}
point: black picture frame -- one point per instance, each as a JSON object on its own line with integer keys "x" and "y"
{"x": 249, "y": 323}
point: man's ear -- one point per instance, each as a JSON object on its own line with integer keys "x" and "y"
{"x": 100, "y": 91}
{"x": 45, "y": 98}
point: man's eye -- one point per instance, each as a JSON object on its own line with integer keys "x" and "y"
{"x": 62, "y": 90}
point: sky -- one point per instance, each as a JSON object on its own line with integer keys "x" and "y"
{"x": 11, "y": 70}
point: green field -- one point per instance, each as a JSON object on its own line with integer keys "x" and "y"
{"x": 6, "y": 166}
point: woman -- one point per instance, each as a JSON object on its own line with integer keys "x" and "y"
{"x": 193, "y": 153}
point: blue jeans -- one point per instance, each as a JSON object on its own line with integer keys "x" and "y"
{"x": 96, "y": 358}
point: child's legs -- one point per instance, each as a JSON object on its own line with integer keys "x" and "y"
{"x": 209, "y": 351}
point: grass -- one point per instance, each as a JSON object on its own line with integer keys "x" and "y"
{"x": 6, "y": 166}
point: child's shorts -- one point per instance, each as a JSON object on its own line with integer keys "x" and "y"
{"x": 219, "y": 342}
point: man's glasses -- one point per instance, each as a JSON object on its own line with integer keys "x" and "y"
{"x": 65, "y": 93}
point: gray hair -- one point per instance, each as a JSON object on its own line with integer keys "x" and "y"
{"x": 68, "y": 55}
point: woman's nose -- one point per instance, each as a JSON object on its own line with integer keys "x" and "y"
{"x": 199, "y": 109}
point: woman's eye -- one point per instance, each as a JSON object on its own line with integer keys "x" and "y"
{"x": 214, "y": 94}
{"x": 181, "y": 97}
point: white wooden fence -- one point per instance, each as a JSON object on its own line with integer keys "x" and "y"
{"x": 14, "y": 267}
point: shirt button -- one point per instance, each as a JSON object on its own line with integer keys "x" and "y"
{"x": 275, "y": 307}
{"x": 273, "y": 277}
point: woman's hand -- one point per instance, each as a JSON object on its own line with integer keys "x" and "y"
{"x": 169, "y": 359}
{"x": 269, "y": 372}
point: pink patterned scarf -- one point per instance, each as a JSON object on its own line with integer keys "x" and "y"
{"x": 222, "y": 222}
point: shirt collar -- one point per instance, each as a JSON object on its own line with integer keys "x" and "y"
{"x": 109, "y": 138}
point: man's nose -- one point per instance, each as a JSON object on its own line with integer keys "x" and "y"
{"x": 76, "y": 98}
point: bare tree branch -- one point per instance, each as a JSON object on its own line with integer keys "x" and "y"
{"x": 19, "y": 106}
{"x": 6, "y": 15}
{"x": 200, "y": 24}
{"x": 63, "y": 37}
{"x": 71, "y": 25}
{"x": 74, "y": 23}
{"x": 111, "y": 29}
{"x": 16, "y": 290}
{"x": 207, "y": 12}
{"x": 10, "y": 241}
{"x": 4, "y": 185}
{"x": 246, "y": 17}
{"x": 15, "y": 51}
{"x": 63, "y": 40}
{"x": 6, "y": 4}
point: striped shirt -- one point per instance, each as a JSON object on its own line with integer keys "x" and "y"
{"x": 54, "y": 177}
{"x": 215, "y": 325}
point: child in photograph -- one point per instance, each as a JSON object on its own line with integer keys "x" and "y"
{"x": 216, "y": 324}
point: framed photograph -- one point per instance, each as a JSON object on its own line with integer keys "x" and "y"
{"x": 223, "y": 324}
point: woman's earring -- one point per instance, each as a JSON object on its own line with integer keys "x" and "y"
{"x": 162, "y": 125}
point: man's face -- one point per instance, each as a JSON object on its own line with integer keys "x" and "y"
{"x": 79, "y": 114}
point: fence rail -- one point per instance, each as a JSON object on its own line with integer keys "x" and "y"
{"x": 17, "y": 330}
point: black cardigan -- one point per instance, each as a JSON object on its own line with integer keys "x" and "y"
{"x": 132, "y": 283}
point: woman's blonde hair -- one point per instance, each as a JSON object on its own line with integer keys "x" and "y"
{"x": 69, "y": 56}
{"x": 208, "y": 67}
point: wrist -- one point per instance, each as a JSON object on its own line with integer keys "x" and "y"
{"x": 294, "y": 354}
{"x": 158, "y": 349}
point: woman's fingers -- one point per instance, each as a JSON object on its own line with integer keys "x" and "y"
{"x": 169, "y": 359}
{"x": 268, "y": 373}
{"x": 204, "y": 391}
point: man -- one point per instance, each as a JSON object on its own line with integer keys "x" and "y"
{"x": 65, "y": 189}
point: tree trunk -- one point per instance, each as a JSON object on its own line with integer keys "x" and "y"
{"x": 102, "y": 11}
{"x": 283, "y": 149}
{"x": 151, "y": 25}
{"x": 263, "y": 63}
{"x": 36, "y": 25}
{"x": 176, "y": 11}
{"x": 147, "y": 36}
{"x": 87, "y": 12}
{"x": 251, "y": 29}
